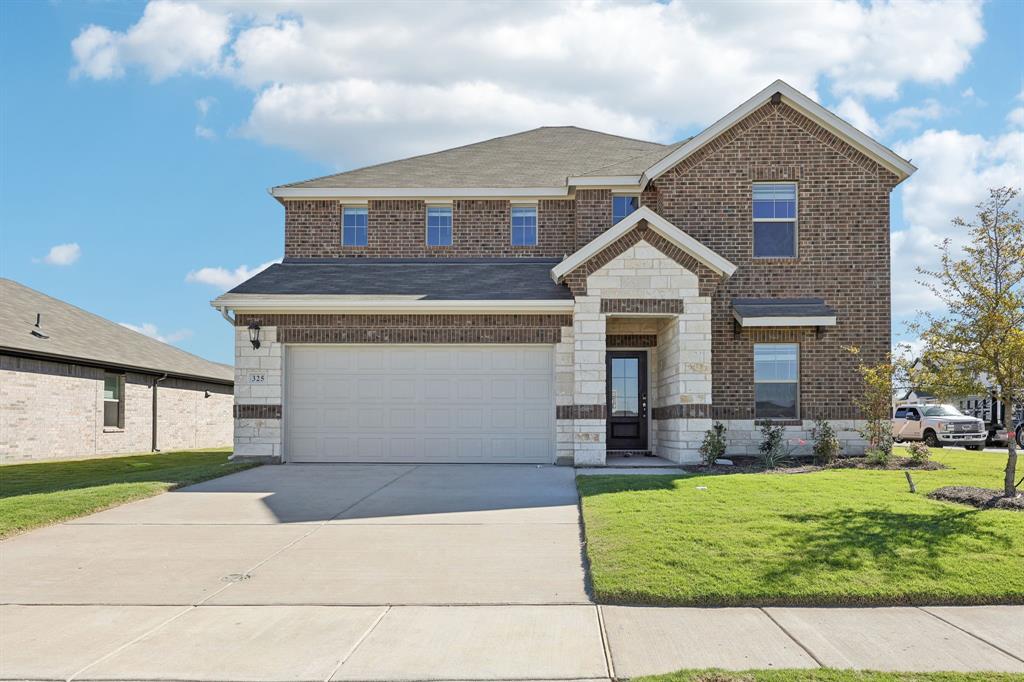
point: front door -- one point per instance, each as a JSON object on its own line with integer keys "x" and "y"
{"x": 627, "y": 400}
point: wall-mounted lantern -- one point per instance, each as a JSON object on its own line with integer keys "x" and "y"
{"x": 254, "y": 334}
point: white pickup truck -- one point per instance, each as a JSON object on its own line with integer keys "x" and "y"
{"x": 938, "y": 425}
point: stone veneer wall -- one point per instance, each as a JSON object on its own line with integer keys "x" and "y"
{"x": 258, "y": 429}
{"x": 53, "y": 410}
{"x": 744, "y": 436}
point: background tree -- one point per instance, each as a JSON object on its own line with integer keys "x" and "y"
{"x": 978, "y": 344}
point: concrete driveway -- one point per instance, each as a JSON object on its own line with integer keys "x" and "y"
{"x": 357, "y": 572}
{"x": 309, "y": 572}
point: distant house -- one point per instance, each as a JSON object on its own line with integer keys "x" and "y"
{"x": 73, "y": 384}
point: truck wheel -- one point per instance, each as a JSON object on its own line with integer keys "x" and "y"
{"x": 931, "y": 440}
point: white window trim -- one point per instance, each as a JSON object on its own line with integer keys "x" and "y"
{"x": 426, "y": 225}
{"x": 536, "y": 224}
{"x": 119, "y": 401}
{"x": 356, "y": 207}
{"x": 795, "y": 220}
{"x": 778, "y": 381}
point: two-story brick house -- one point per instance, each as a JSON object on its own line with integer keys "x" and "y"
{"x": 560, "y": 294}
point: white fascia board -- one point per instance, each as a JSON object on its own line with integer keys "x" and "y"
{"x": 824, "y": 321}
{"x": 659, "y": 225}
{"x": 805, "y": 105}
{"x": 414, "y": 192}
{"x": 624, "y": 181}
{"x": 396, "y": 304}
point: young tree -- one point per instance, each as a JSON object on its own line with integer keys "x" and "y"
{"x": 979, "y": 340}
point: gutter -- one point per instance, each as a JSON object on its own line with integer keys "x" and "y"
{"x": 100, "y": 364}
{"x": 156, "y": 382}
{"x": 308, "y": 303}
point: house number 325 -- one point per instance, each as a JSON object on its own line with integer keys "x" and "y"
{"x": 260, "y": 378}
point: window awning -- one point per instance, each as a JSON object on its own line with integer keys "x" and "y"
{"x": 782, "y": 312}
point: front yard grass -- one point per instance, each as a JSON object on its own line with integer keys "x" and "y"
{"x": 834, "y": 537}
{"x": 825, "y": 675}
{"x": 41, "y": 493}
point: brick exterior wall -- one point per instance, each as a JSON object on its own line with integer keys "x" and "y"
{"x": 481, "y": 228}
{"x": 593, "y": 215}
{"x": 52, "y": 410}
{"x": 843, "y": 252}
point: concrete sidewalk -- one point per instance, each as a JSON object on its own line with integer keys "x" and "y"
{"x": 491, "y": 642}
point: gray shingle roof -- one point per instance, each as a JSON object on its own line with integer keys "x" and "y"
{"x": 525, "y": 279}
{"x": 543, "y": 157}
{"x": 781, "y": 307}
{"x": 76, "y": 334}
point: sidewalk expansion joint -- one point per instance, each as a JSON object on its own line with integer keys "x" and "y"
{"x": 968, "y": 632}
{"x": 792, "y": 637}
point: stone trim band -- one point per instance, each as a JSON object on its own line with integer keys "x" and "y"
{"x": 580, "y": 412}
{"x": 257, "y": 411}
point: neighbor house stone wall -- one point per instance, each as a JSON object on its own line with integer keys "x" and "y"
{"x": 52, "y": 410}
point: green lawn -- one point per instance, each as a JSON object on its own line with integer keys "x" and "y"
{"x": 825, "y": 676}
{"x": 842, "y": 536}
{"x": 38, "y": 494}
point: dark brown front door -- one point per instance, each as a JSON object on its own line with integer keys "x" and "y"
{"x": 627, "y": 400}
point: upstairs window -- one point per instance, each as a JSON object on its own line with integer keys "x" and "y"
{"x": 623, "y": 206}
{"x": 113, "y": 400}
{"x": 524, "y": 226}
{"x": 353, "y": 226}
{"x": 776, "y": 380}
{"x": 775, "y": 220}
{"x": 439, "y": 226}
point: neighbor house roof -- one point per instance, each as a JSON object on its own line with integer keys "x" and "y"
{"x": 548, "y": 161}
{"x": 448, "y": 279}
{"x": 70, "y": 333}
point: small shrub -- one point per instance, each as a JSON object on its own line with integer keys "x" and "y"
{"x": 772, "y": 451}
{"x": 713, "y": 446}
{"x": 826, "y": 443}
{"x": 878, "y": 456}
{"x": 918, "y": 453}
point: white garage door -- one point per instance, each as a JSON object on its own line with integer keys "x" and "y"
{"x": 419, "y": 404}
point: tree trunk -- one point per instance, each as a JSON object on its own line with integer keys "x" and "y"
{"x": 1010, "y": 481}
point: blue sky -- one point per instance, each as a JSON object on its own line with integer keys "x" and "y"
{"x": 147, "y": 134}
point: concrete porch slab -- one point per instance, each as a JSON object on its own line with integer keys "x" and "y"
{"x": 421, "y": 564}
{"x": 1002, "y": 626}
{"x": 55, "y": 642}
{"x": 480, "y": 643}
{"x": 468, "y": 493}
{"x": 653, "y": 640}
{"x": 291, "y": 493}
{"x": 85, "y": 564}
{"x": 243, "y": 643}
{"x": 889, "y": 638}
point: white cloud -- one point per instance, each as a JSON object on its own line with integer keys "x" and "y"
{"x": 223, "y": 278}
{"x": 63, "y": 254}
{"x": 911, "y": 118}
{"x": 204, "y": 104}
{"x": 1016, "y": 117}
{"x": 170, "y": 38}
{"x": 151, "y": 330}
{"x": 329, "y": 78}
{"x": 956, "y": 171}
{"x": 854, "y": 112}
{"x": 205, "y": 133}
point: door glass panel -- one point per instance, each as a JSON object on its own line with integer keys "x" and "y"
{"x": 625, "y": 389}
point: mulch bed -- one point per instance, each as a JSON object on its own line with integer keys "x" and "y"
{"x": 895, "y": 464}
{"x": 982, "y": 498}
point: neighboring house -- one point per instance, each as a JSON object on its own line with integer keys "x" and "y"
{"x": 562, "y": 294}
{"x": 73, "y": 384}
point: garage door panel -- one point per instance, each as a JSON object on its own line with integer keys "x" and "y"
{"x": 419, "y": 404}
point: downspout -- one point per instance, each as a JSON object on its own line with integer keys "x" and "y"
{"x": 156, "y": 382}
